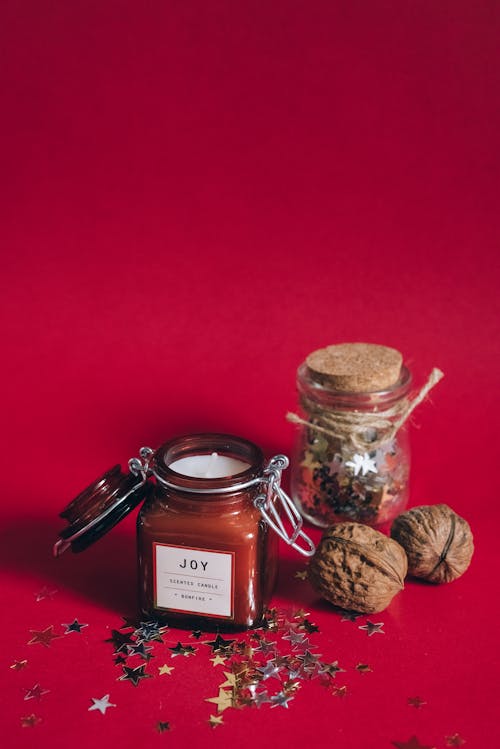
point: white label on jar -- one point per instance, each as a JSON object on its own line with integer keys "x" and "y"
{"x": 195, "y": 581}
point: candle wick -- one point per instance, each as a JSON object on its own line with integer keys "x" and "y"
{"x": 211, "y": 463}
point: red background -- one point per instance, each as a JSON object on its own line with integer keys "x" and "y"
{"x": 194, "y": 196}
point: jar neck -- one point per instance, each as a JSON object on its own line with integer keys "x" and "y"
{"x": 213, "y": 504}
{"x": 320, "y": 395}
{"x": 208, "y": 488}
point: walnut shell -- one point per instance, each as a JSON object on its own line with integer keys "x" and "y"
{"x": 438, "y": 542}
{"x": 358, "y": 568}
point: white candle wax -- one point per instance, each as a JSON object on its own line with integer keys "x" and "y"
{"x": 212, "y": 466}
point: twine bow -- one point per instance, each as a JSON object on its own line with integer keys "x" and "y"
{"x": 361, "y": 428}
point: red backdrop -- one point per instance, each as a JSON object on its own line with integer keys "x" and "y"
{"x": 193, "y": 197}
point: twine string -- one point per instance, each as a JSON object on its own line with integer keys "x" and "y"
{"x": 364, "y": 430}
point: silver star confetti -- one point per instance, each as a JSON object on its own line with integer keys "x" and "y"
{"x": 296, "y": 638}
{"x": 102, "y": 704}
{"x": 372, "y": 628}
{"x": 45, "y": 592}
{"x": 270, "y": 670}
{"x": 35, "y": 693}
{"x": 266, "y": 646}
{"x": 258, "y": 698}
{"x": 330, "y": 668}
{"x": 140, "y": 649}
{"x": 149, "y": 631}
{"x": 281, "y": 699}
{"x": 362, "y": 463}
{"x": 75, "y": 626}
{"x": 134, "y": 675}
{"x": 308, "y": 658}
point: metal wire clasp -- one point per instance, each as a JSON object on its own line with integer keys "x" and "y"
{"x": 140, "y": 466}
{"x": 264, "y": 502}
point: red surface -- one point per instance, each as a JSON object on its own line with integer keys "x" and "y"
{"x": 194, "y": 196}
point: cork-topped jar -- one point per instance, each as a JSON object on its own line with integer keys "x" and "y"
{"x": 351, "y": 458}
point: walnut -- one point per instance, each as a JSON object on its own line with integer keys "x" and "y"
{"x": 438, "y": 542}
{"x": 358, "y": 568}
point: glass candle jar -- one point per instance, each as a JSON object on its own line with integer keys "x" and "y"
{"x": 207, "y": 533}
{"x": 205, "y": 552}
{"x": 351, "y": 460}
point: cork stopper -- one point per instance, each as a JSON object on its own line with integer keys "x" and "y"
{"x": 355, "y": 367}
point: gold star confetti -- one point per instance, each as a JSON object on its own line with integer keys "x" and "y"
{"x": 218, "y": 660}
{"x": 243, "y": 701}
{"x": 248, "y": 680}
{"x": 271, "y": 620}
{"x": 272, "y": 613}
{"x": 248, "y": 663}
{"x": 230, "y": 680}
{"x": 223, "y": 701}
{"x": 30, "y": 721}
{"x": 18, "y": 665}
{"x": 215, "y": 720}
{"x": 363, "y": 668}
{"x": 455, "y": 740}
{"x": 248, "y": 651}
{"x": 242, "y": 670}
{"x": 301, "y": 614}
{"x": 301, "y": 575}
{"x": 44, "y": 637}
{"x": 165, "y": 670}
{"x": 289, "y": 687}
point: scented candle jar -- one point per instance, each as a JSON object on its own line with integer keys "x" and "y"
{"x": 205, "y": 551}
{"x": 207, "y": 533}
{"x": 351, "y": 458}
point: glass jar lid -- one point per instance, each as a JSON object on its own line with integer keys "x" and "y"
{"x": 99, "y": 507}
